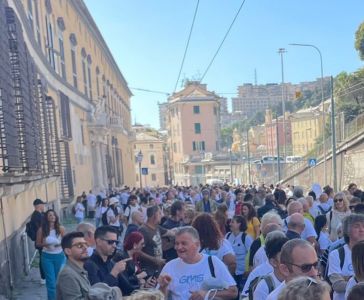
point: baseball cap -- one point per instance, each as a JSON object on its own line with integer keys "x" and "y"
{"x": 113, "y": 200}
{"x": 37, "y": 202}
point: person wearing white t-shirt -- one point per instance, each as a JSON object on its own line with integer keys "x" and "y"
{"x": 273, "y": 246}
{"x": 131, "y": 206}
{"x": 339, "y": 271}
{"x": 298, "y": 258}
{"x": 191, "y": 276}
{"x": 79, "y": 210}
{"x": 240, "y": 242}
{"x": 358, "y": 267}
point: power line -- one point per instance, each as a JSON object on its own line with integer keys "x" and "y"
{"x": 149, "y": 91}
{"x": 223, "y": 40}
{"x": 187, "y": 44}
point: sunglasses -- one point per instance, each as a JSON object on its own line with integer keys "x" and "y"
{"x": 111, "y": 242}
{"x": 339, "y": 200}
{"x": 305, "y": 268}
{"x": 80, "y": 245}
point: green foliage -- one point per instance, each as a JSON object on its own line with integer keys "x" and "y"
{"x": 359, "y": 40}
{"x": 349, "y": 93}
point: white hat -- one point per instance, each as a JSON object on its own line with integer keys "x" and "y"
{"x": 113, "y": 200}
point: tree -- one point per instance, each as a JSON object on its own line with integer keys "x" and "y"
{"x": 349, "y": 93}
{"x": 359, "y": 40}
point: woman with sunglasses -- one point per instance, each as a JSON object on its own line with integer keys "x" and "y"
{"x": 49, "y": 238}
{"x": 305, "y": 288}
{"x": 339, "y": 211}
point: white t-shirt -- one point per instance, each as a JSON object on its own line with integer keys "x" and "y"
{"x": 261, "y": 270}
{"x": 260, "y": 257}
{"x": 129, "y": 212}
{"x": 334, "y": 267}
{"x": 91, "y": 201}
{"x": 240, "y": 249}
{"x": 189, "y": 277}
{"x": 351, "y": 283}
{"x": 80, "y": 210}
{"x": 262, "y": 291}
{"x": 224, "y": 249}
{"x": 324, "y": 240}
{"x": 315, "y": 210}
{"x": 110, "y": 214}
{"x": 274, "y": 295}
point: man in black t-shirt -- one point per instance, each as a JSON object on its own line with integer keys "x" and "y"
{"x": 36, "y": 220}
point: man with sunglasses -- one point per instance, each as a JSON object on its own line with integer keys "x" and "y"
{"x": 72, "y": 281}
{"x": 298, "y": 258}
{"x": 99, "y": 266}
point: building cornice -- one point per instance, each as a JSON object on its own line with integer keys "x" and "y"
{"x": 84, "y": 13}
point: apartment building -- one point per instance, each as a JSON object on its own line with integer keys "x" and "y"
{"x": 193, "y": 131}
{"x": 64, "y": 117}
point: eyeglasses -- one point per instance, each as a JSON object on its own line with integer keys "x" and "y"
{"x": 111, "y": 242}
{"x": 80, "y": 245}
{"x": 310, "y": 281}
{"x": 305, "y": 268}
{"x": 338, "y": 200}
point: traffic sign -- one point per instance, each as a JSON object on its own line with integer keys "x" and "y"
{"x": 312, "y": 162}
{"x": 145, "y": 171}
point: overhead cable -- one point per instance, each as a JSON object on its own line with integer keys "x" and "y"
{"x": 187, "y": 44}
{"x": 223, "y": 40}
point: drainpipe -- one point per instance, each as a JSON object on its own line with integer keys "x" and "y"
{"x": 11, "y": 282}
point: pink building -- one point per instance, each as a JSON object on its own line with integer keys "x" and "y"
{"x": 194, "y": 130}
{"x": 271, "y": 134}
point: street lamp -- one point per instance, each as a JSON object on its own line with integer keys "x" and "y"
{"x": 322, "y": 101}
{"x": 139, "y": 159}
{"x": 281, "y": 51}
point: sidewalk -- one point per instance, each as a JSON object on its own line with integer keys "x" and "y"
{"x": 29, "y": 288}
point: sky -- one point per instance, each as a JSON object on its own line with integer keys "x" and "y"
{"x": 148, "y": 38}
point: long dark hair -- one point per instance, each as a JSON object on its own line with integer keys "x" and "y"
{"x": 45, "y": 224}
{"x": 320, "y": 222}
{"x": 252, "y": 212}
{"x": 208, "y": 230}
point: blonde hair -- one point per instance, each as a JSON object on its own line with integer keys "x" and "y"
{"x": 345, "y": 199}
{"x": 150, "y": 294}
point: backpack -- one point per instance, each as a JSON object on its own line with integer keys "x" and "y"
{"x": 211, "y": 266}
{"x": 254, "y": 283}
{"x": 243, "y": 236}
{"x": 324, "y": 261}
{"x": 323, "y": 211}
{"x": 74, "y": 209}
{"x": 31, "y": 230}
{"x": 104, "y": 217}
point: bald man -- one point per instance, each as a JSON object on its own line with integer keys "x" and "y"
{"x": 295, "y": 225}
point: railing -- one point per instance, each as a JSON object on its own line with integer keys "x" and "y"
{"x": 350, "y": 130}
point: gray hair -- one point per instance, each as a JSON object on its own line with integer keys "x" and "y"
{"x": 189, "y": 230}
{"x": 276, "y": 234}
{"x": 304, "y": 288}
{"x": 270, "y": 217}
{"x": 348, "y": 222}
{"x": 287, "y": 249}
{"x": 86, "y": 228}
{"x": 298, "y": 192}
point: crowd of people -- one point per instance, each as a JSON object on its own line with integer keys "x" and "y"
{"x": 206, "y": 242}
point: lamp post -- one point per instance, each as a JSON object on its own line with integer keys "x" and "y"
{"x": 322, "y": 101}
{"x": 281, "y": 51}
{"x": 139, "y": 159}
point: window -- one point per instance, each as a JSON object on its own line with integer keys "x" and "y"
{"x": 49, "y": 44}
{"x": 202, "y": 146}
{"x": 194, "y": 148}
{"x": 152, "y": 160}
{"x": 154, "y": 177}
{"x": 197, "y": 128}
{"x": 196, "y": 109}
{"x": 82, "y": 135}
{"x": 89, "y": 61}
{"x": 61, "y": 56}
{"x": 151, "y": 146}
{"x": 65, "y": 116}
{"x": 215, "y": 110}
{"x": 84, "y": 74}
{"x": 30, "y": 14}
{"x": 198, "y": 170}
{"x": 174, "y": 147}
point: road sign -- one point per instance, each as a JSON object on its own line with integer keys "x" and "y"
{"x": 312, "y": 162}
{"x": 145, "y": 171}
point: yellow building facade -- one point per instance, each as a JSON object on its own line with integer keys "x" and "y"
{"x": 76, "y": 106}
{"x": 154, "y": 160}
{"x": 306, "y": 129}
